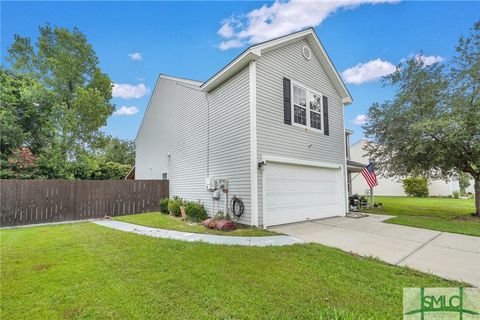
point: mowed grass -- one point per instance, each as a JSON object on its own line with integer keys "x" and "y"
{"x": 162, "y": 221}
{"x": 442, "y": 214}
{"x": 85, "y": 271}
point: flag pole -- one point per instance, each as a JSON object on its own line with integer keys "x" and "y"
{"x": 372, "y": 197}
{"x": 372, "y": 200}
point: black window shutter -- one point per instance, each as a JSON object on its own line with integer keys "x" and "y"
{"x": 287, "y": 102}
{"x": 326, "y": 129}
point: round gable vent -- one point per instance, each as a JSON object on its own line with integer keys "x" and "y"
{"x": 307, "y": 54}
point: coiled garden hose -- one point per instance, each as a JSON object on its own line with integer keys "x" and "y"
{"x": 236, "y": 207}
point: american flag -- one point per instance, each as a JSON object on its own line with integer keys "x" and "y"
{"x": 369, "y": 174}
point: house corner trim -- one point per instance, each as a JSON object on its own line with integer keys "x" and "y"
{"x": 253, "y": 143}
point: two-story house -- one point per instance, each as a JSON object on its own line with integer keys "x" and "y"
{"x": 268, "y": 128}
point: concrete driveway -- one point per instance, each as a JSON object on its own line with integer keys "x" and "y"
{"x": 448, "y": 255}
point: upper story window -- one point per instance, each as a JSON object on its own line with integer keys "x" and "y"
{"x": 299, "y": 105}
{"x": 307, "y": 107}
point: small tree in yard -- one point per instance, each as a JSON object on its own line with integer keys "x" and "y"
{"x": 432, "y": 125}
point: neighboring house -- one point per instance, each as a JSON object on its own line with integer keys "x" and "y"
{"x": 392, "y": 186}
{"x": 353, "y": 167}
{"x": 271, "y": 123}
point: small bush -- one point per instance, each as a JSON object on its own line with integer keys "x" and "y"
{"x": 164, "y": 205}
{"x": 195, "y": 211}
{"x": 456, "y": 194}
{"x": 416, "y": 187}
{"x": 174, "y": 206}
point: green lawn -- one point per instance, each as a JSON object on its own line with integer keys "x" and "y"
{"x": 442, "y": 214}
{"x": 163, "y": 221}
{"x": 85, "y": 271}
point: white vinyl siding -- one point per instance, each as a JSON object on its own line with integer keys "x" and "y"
{"x": 178, "y": 138}
{"x": 230, "y": 138}
{"x": 276, "y": 138}
{"x": 172, "y": 139}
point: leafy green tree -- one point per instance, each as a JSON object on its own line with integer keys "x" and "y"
{"x": 24, "y": 116}
{"x": 120, "y": 151}
{"x": 432, "y": 125}
{"x": 72, "y": 92}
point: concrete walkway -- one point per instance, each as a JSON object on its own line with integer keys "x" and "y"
{"x": 208, "y": 238}
{"x": 448, "y": 255}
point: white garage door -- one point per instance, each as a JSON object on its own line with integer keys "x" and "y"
{"x": 296, "y": 193}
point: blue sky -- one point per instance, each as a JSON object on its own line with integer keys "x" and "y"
{"x": 135, "y": 41}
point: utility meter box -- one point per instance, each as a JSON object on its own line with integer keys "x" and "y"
{"x": 212, "y": 184}
{"x": 220, "y": 183}
{"x": 209, "y": 184}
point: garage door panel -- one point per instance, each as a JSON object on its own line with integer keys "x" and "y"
{"x": 297, "y": 193}
{"x": 311, "y": 191}
{"x": 318, "y": 198}
{"x": 306, "y": 188}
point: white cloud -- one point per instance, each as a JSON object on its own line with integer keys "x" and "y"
{"x": 375, "y": 69}
{"x": 126, "y": 111}
{"x": 360, "y": 119}
{"x": 281, "y": 18}
{"x": 135, "y": 56}
{"x": 370, "y": 71}
{"x": 226, "y": 31}
{"x": 428, "y": 60}
{"x": 129, "y": 91}
{"x": 234, "y": 43}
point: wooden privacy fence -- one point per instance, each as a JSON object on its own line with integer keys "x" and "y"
{"x": 39, "y": 201}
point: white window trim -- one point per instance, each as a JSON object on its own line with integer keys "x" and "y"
{"x": 309, "y": 93}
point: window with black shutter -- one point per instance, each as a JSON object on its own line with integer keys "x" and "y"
{"x": 308, "y": 108}
{"x": 287, "y": 102}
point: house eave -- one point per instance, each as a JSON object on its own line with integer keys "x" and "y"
{"x": 183, "y": 80}
{"x": 230, "y": 69}
{"x": 347, "y": 100}
{"x": 354, "y": 166}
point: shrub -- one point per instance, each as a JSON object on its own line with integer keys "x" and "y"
{"x": 174, "y": 206}
{"x": 416, "y": 187}
{"x": 456, "y": 194}
{"x": 195, "y": 211}
{"x": 164, "y": 205}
